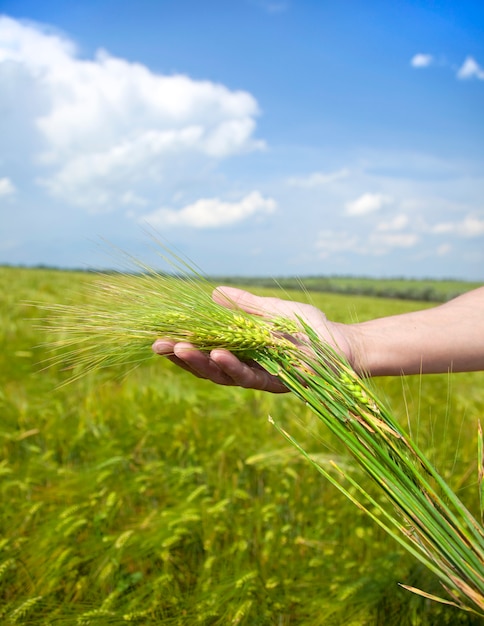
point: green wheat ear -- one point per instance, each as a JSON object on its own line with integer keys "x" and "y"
{"x": 125, "y": 313}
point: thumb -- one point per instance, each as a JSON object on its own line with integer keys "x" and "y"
{"x": 233, "y": 298}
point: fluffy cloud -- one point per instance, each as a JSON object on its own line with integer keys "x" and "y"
{"x": 105, "y": 124}
{"x": 444, "y": 249}
{"x": 367, "y": 203}
{"x": 470, "y": 69}
{"x": 398, "y": 222}
{"x": 6, "y": 187}
{"x": 331, "y": 242}
{"x": 470, "y": 226}
{"x": 317, "y": 179}
{"x": 421, "y": 60}
{"x": 384, "y": 242}
{"x": 212, "y": 212}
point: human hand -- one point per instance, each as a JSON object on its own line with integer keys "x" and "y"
{"x": 224, "y": 368}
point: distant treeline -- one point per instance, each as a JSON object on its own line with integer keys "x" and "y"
{"x": 426, "y": 290}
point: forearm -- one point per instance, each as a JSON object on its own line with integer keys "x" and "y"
{"x": 449, "y": 337}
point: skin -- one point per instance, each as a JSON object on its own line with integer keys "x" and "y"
{"x": 449, "y": 337}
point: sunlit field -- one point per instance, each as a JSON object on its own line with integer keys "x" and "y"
{"x": 151, "y": 497}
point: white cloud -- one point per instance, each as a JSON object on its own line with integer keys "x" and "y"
{"x": 317, "y": 179}
{"x": 330, "y": 242}
{"x": 383, "y": 242}
{"x": 105, "y": 123}
{"x": 6, "y": 187}
{"x": 444, "y": 249}
{"x": 443, "y": 228}
{"x": 132, "y": 199}
{"x": 375, "y": 243}
{"x": 470, "y": 69}
{"x": 471, "y": 226}
{"x": 367, "y": 203}
{"x": 421, "y": 60}
{"x": 212, "y": 212}
{"x": 31, "y": 44}
{"x": 397, "y": 223}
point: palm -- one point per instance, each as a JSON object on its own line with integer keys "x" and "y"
{"x": 275, "y": 307}
{"x": 222, "y": 367}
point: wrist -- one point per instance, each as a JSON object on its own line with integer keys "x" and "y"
{"x": 356, "y": 352}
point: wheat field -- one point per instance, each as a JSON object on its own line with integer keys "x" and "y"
{"x": 151, "y": 497}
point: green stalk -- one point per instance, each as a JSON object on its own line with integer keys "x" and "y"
{"x": 448, "y": 540}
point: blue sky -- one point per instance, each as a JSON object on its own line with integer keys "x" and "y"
{"x": 258, "y": 137}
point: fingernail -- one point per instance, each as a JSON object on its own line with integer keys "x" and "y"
{"x": 161, "y": 346}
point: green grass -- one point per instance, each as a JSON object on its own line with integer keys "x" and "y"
{"x": 162, "y": 499}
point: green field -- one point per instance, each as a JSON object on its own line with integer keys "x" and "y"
{"x": 157, "y": 498}
{"x": 403, "y": 289}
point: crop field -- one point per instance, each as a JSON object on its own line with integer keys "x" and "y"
{"x": 402, "y": 289}
{"x": 152, "y": 497}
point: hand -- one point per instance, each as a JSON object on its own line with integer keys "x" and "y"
{"x": 224, "y": 368}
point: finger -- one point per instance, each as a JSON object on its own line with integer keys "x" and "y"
{"x": 233, "y": 298}
{"x": 199, "y": 363}
{"x": 249, "y": 376}
{"x": 164, "y": 347}
{"x": 188, "y": 358}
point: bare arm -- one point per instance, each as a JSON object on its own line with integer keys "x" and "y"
{"x": 449, "y": 337}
